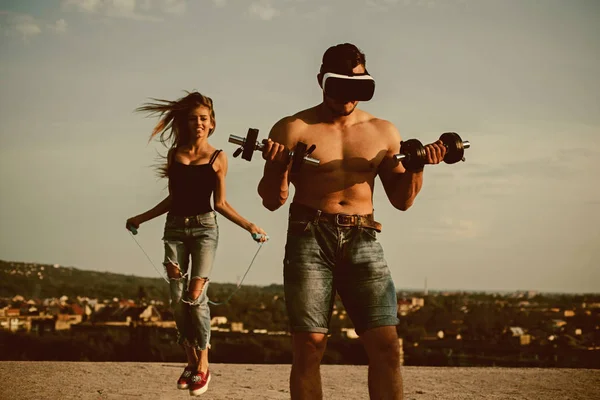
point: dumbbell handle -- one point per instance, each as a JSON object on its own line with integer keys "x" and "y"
{"x": 400, "y": 156}
{"x": 242, "y": 141}
{"x": 260, "y": 146}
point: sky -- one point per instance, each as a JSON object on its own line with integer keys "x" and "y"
{"x": 517, "y": 78}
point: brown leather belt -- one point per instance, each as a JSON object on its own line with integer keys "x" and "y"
{"x": 344, "y": 220}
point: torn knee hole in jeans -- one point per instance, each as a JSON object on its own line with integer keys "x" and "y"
{"x": 173, "y": 270}
{"x": 196, "y": 287}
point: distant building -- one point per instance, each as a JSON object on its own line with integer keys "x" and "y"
{"x": 237, "y": 327}
{"x": 64, "y": 321}
{"x": 418, "y": 302}
{"x": 558, "y": 323}
{"x": 125, "y": 315}
{"x": 216, "y": 321}
{"x": 517, "y": 333}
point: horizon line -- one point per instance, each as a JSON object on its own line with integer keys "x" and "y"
{"x": 429, "y": 289}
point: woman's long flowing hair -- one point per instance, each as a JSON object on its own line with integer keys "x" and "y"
{"x": 172, "y": 127}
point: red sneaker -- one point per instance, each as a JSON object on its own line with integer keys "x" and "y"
{"x": 184, "y": 380}
{"x": 198, "y": 383}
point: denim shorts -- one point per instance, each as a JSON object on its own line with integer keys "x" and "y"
{"x": 194, "y": 238}
{"x": 322, "y": 258}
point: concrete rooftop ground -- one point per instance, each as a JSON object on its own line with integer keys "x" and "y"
{"x": 113, "y": 380}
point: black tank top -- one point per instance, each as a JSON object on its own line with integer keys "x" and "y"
{"x": 192, "y": 187}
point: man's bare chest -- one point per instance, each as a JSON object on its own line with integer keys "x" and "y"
{"x": 346, "y": 152}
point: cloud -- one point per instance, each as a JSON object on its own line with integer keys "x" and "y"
{"x": 141, "y": 10}
{"x": 60, "y": 26}
{"x": 450, "y": 229}
{"x": 384, "y": 5}
{"x": 19, "y": 25}
{"x": 562, "y": 168}
{"x": 26, "y": 26}
{"x": 263, "y": 9}
{"x": 310, "y": 10}
{"x": 177, "y": 7}
{"x": 220, "y": 3}
{"x": 462, "y": 228}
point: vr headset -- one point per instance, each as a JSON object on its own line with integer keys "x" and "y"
{"x": 349, "y": 87}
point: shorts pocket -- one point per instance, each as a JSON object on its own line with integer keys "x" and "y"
{"x": 170, "y": 224}
{"x": 208, "y": 223}
{"x": 370, "y": 233}
{"x": 298, "y": 228}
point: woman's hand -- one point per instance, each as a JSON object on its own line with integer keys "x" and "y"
{"x": 133, "y": 222}
{"x": 258, "y": 234}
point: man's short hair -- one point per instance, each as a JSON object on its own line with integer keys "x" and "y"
{"x": 342, "y": 59}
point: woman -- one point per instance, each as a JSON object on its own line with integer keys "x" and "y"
{"x": 195, "y": 170}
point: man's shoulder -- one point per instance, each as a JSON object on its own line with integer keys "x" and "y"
{"x": 295, "y": 122}
{"x": 369, "y": 118}
{"x": 379, "y": 124}
{"x": 303, "y": 117}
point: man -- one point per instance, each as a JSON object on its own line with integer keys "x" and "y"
{"x": 332, "y": 235}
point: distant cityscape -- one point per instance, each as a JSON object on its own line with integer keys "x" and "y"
{"x": 524, "y": 328}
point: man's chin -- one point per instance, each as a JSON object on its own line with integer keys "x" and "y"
{"x": 344, "y": 112}
{"x": 341, "y": 110}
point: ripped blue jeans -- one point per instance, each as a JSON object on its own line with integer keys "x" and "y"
{"x": 191, "y": 238}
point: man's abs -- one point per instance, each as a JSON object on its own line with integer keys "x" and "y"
{"x": 345, "y": 193}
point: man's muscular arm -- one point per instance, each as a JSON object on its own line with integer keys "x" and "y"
{"x": 402, "y": 186}
{"x": 273, "y": 188}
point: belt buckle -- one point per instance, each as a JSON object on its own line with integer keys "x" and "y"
{"x": 343, "y": 216}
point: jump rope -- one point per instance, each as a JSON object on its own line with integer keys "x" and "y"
{"x": 256, "y": 236}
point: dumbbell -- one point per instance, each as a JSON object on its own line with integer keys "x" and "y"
{"x": 299, "y": 155}
{"x": 412, "y": 153}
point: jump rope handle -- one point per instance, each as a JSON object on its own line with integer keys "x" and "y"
{"x": 258, "y": 236}
{"x": 132, "y": 229}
